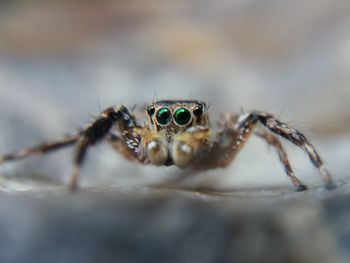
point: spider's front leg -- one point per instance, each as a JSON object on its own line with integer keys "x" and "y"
{"x": 41, "y": 149}
{"x": 276, "y": 143}
{"x": 295, "y": 137}
{"x": 101, "y": 129}
{"x": 237, "y": 129}
{"x": 89, "y": 136}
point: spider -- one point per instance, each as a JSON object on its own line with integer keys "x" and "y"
{"x": 179, "y": 133}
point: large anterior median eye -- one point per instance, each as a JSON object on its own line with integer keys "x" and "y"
{"x": 164, "y": 116}
{"x": 182, "y": 116}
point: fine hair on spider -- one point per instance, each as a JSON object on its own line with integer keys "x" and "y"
{"x": 179, "y": 133}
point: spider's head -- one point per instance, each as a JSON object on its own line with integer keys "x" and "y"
{"x": 175, "y": 116}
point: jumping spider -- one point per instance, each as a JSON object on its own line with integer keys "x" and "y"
{"x": 179, "y": 134}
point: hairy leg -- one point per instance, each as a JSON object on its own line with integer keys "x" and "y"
{"x": 297, "y": 138}
{"x": 276, "y": 143}
{"x": 41, "y": 149}
{"x": 244, "y": 124}
{"x": 236, "y": 130}
{"x": 89, "y": 136}
{"x": 100, "y": 129}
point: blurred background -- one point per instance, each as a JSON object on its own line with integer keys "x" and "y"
{"x": 61, "y": 62}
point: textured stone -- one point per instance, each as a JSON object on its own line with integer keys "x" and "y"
{"x": 118, "y": 224}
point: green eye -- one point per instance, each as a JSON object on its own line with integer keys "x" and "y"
{"x": 164, "y": 116}
{"x": 182, "y": 116}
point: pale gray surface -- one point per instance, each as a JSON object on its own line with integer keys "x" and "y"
{"x": 141, "y": 224}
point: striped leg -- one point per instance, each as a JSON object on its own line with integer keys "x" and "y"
{"x": 99, "y": 130}
{"x": 235, "y": 132}
{"x": 292, "y": 135}
{"x": 40, "y": 149}
{"x": 276, "y": 143}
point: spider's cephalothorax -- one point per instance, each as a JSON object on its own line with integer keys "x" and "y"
{"x": 164, "y": 141}
{"x": 179, "y": 134}
{"x": 174, "y": 117}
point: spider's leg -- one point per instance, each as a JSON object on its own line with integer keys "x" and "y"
{"x": 236, "y": 130}
{"x": 276, "y": 143}
{"x": 98, "y": 131}
{"x": 291, "y": 134}
{"x": 40, "y": 149}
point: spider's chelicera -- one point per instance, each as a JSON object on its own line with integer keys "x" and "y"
{"x": 179, "y": 133}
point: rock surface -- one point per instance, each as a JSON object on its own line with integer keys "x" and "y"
{"x": 141, "y": 224}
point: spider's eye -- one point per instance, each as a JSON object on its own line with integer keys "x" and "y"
{"x": 198, "y": 111}
{"x": 150, "y": 110}
{"x": 182, "y": 116}
{"x": 164, "y": 116}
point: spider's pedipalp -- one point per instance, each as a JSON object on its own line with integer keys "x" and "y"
{"x": 157, "y": 151}
{"x": 188, "y": 146}
{"x": 150, "y": 147}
